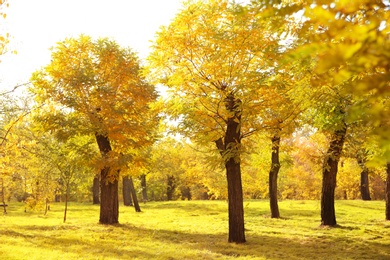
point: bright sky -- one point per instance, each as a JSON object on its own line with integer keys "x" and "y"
{"x": 36, "y": 25}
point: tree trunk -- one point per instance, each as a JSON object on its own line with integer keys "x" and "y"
{"x": 186, "y": 193}
{"x": 126, "y": 191}
{"x": 170, "y": 187}
{"x": 388, "y": 191}
{"x": 96, "y": 190}
{"x": 134, "y": 195}
{"x": 230, "y": 150}
{"x": 66, "y": 201}
{"x": 47, "y": 206}
{"x": 364, "y": 185}
{"x": 236, "y": 202}
{"x": 273, "y": 177}
{"x": 364, "y": 181}
{"x": 143, "y": 186}
{"x": 109, "y": 206}
{"x": 329, "y": 174}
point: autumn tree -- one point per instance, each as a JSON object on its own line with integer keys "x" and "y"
{"x": 166, "y": 169}
{"x": 346, "y": 41}
{"x": 94, "y": 87}
{"x": 214, "y": 57}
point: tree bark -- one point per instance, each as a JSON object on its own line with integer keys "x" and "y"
{"x": 134, "y": 195}
{"x": 109, "y": 206}
{"x": 96, "y": 190}
{"x": 364, "y": 181}
{"x": 273, "y": 177}
{"x": 170, "y": 187}
{"x": 143, "y": 186}
{"x": 329, "y": 174}
{"x": 230, "y": 150}
{"x": 66, "y": 200}
{"x": 388, "y": 191}
{"x": 126, "y": 191}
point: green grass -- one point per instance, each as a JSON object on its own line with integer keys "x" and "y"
{"x": 196, "y": 230}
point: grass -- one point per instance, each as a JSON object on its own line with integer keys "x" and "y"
{"x": 196, "y": 230}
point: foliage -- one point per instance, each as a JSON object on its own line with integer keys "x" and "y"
{"x": 210, "y": 51}
{"x": 94, "y": 87}
{"x": 351, "y": 45}
{"x": 180, "y": 162}
{"x": 41, "y": 167}
{"x": 3, "y": 35}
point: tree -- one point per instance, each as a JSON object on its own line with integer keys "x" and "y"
{"x": 96, "y": 190}
{"x": 126, "y": 190}
{"x": 341, "y": 36}
{"x": 94, "y": 87}
{"x": 166, "y": 169}
{"x": 214, "y": 57}
{"x": 134, "y": 195}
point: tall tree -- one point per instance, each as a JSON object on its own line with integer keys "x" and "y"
{"x": 214, "y": 57}
{"x": 97, "y": 87}
{"x": 347, "y": 40}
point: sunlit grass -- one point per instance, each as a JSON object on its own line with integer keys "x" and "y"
{"x": 196, "y": 230}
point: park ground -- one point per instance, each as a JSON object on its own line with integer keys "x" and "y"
{"x": 196, "y": 230}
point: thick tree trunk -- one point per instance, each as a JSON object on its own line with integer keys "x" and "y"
{"x": 170, "y": 187}
{"x": 126, "y": 191}
{"x": 388, "y": 191}
{"x": 236, "y": 207}
{"x": 230, "y": 151}
{"x": 109, "y": 206}
{"x": 96, "y": 190}
{"x": 364, "y": 185}
{"x": 143, "y": 187}
{"x": 329, "y": 174}
{"x": 134, "y": 195}
{"x": 364, "y": 181}
{"x": 273, "y": 177}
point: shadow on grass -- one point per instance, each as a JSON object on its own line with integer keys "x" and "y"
{"x": 125, "y": 241}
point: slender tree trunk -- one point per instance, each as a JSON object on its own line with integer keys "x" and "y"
{"x": 143, "y": 186}
{"x": 273, "y": 177}
{"x": 230, "y": 151}
{"x": 364, "y": 181}
{"x": 388, "y": 191}
{"x": 66, "y": 201}
{"x": 109, "y": 206}
{"x": 364, "y": 185}
{"x": 170, "y": 187}
{"x": 47, "y": 206}
{"x": 134, "y": 195}
{"x": 126, "y": 191}
{"x": 96, "y": 190}
{"x": 57, "y": 198}
{"x": 329, "y": 174}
